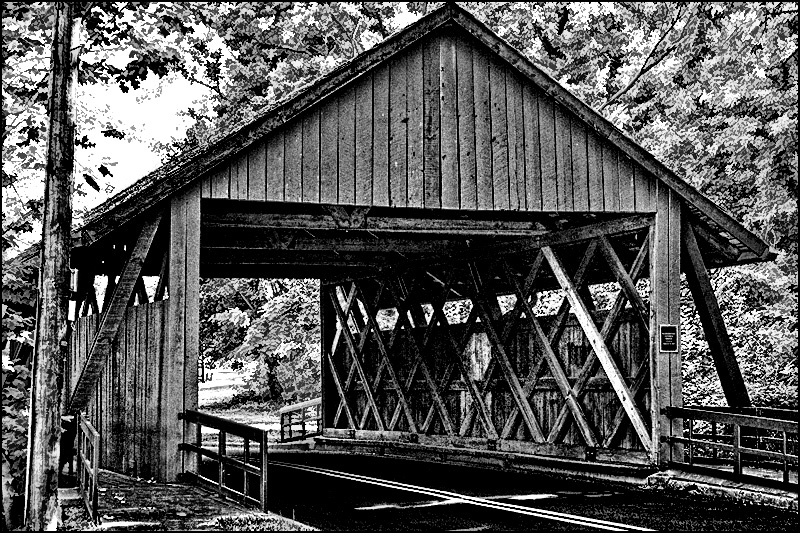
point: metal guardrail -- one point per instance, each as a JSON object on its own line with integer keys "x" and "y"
{"x": 722, "y": 436}
{"x": 298, "y": 414}
{"x": 224, "y": 460}
{"x": 88, "y": 464}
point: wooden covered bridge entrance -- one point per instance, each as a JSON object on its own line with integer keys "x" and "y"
{"x": 500, "y": 265}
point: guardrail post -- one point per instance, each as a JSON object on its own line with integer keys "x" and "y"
{"x": 263, "y": 470}
{"x": 737, "y": 456}
{"x": 691, "y": 440}
{"x": 283, "y": 425}
{"x": 221, "y": 449}
{"x": 303, "y": 422}
{"x": 785, "y": 459}
{"x": 246, "y": 461}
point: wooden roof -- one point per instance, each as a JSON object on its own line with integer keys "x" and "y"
{"x": 719, "y": 228}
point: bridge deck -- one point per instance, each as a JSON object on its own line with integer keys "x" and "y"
{"x": 130, "y": 502}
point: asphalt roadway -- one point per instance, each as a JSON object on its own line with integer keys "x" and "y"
{"x": 364, "y": 493}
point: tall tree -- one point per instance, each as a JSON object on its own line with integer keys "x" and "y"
{"x": 43, "y": 510}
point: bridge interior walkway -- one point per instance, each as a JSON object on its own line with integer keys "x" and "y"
{"x": 127, "y": 502}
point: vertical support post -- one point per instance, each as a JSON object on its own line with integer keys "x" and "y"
{"x": 665, "y": 366}
{"x": 303, "y": 422}
{"x": 179, "y": 379}
{"x": 330, "y": 397}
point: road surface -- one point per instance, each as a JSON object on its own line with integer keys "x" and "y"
{"x": 341, "y": 492}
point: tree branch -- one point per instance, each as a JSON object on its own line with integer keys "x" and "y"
{"x": 647, "y": 65}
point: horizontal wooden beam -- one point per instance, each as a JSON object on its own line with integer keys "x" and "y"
{"x": 438, "y": 226}
{"x": 387, "y": 244}
{"x": 617, "y": 226}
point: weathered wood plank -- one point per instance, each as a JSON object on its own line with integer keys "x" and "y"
{"x": 293, "y": 162}
{"x": 220, "y": 182}
{"x": 599, "y": 346}
{"x": 380, "y": 136}
{"x": 642, "y": 183}
{"x": 547, "y": 148}
{"x": 563, "y": 160}
{"x": 310, "y": 156}
{"x": 363, "y": 137}
{"x": 595, "y": 171}
{"x": 416, "y": 174}
{"x": 398, "y": 132}
{"x": 275, "y": 170}
{"x": 430, "y": 146}
{"x": 466, "y": 126}
{"x": 349, "y": 147}
{"x": 533, "y": 167}
{"x": 113, "y": 315}
{"x": 238, "y": 187}
{"x": 329, "y": 152}
{"x": 499, "y": 129}
{"x": 580, "y": 165}
{"x": 448, "y": 124}
{"x": 257, "y": 172}
{"x": 610, "y": 178}
{"x": 626, "y": 185}
{"x": 483, "y": 132}
{"x": 516, "y": 146}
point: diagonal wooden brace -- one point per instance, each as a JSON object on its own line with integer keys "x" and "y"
{"x": 600, "y": 348}
{"x": 716, "y": 333}
{"x": 609, "y": 328}
{"x": 113, "y": 314}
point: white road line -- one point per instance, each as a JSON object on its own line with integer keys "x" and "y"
{"x": 475, "y": 500}
{"x": 452, "y": 501}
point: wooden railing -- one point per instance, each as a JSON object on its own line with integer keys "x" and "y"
{"x": 88, "y": 464}
{"x": 761, "y": 438}
{"x": 229, "y": 469}
{"x": 301, "y": 414}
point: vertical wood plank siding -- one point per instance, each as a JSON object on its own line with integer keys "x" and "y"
{"x": 125, "y": 408}
{"x": 445, "y": 124}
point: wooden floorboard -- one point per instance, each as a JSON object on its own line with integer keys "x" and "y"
{"x": 170, "y": 506}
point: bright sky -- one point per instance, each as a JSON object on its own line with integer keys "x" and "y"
{"x": 146, "y": 117}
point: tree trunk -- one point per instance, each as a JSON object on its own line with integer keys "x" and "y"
{"x": 42, "y": 506}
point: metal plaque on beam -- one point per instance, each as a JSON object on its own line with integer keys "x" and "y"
{"x": 668, "y": 338}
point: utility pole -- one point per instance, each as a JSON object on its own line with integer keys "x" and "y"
{"x": 42, "y": 509}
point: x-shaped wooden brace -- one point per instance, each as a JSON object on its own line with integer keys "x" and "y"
{"x": 456, "y": 349}
{"x": 556, "y": 368}
{"x": 598, "y": 339}
{"x": 402, "y": 299}
{"x": 356, "y": 352}
{"x": 385, "y": 362}
{"x": 520, "y": 398}
{"x": 343, "y": 405}
{"x": 556, "y": 328}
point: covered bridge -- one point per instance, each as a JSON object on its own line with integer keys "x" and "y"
{"x": 440, "y": 170}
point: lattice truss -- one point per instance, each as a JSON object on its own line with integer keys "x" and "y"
{"x": 402, "y": 359}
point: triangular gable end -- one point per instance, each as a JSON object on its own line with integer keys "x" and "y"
{"x": 444, "y": 124}
{"x": 422, "y": 135}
